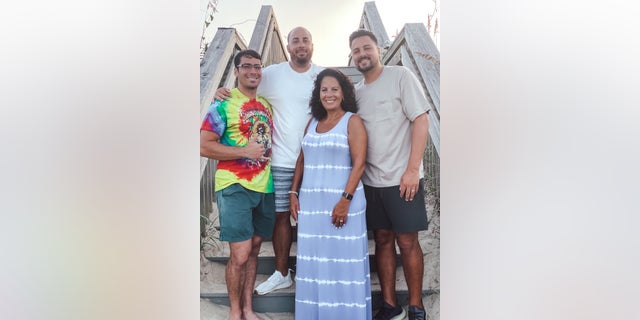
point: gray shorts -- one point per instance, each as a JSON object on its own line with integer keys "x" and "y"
{"x": 386, "y": 210}
{"x": 282, "y": 178}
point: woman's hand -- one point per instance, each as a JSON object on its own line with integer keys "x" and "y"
{"x": 339, "y": 213}
{"x": 294, "y": 206}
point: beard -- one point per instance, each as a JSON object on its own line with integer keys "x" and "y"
{"x": 301, "y": 60}
{"x": 366, "y": 67}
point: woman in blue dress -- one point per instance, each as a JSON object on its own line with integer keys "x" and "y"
{"x": 327, "y": 200}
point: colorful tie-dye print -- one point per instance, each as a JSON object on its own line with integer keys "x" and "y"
{"x": 235, "y": 120}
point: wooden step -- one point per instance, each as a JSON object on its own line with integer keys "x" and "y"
{"x": 267, "y": 262}
{"x": 283, "y": 300}
{"x": 212, "y": 311}
{"x": 294, "y": 233}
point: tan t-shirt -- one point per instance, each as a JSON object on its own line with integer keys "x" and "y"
{"x": 387, "y": 107}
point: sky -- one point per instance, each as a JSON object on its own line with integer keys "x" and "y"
{"x": 330, "y": 22}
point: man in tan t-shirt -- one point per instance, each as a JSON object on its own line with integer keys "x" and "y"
{"x": 395, "y": 113}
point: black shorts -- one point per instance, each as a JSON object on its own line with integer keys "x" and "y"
{"x": 386, "y": 210}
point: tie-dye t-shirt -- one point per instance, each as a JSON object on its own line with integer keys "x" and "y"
{"x": 235, "y": 120}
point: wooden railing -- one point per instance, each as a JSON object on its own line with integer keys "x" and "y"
{"x": 414, "y": 49}
{"x": 371, "y": 21}
{"x": 216, "y": 70}
{"x": 267, "y": 39}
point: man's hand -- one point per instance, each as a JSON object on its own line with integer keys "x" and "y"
{"x": 409, "y": 184}
{"x": 411, "y": 177}
{"x": 254, "y": 150}
{"x": 222, "y": 94}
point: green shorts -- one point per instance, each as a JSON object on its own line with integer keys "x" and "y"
{"x": 244, "y": 213}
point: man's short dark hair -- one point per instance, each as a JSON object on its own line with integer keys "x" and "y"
{"x": 245, "y": 53}
{"x": 360, "y": 33}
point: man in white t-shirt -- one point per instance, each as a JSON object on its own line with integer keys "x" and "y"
{"x": 394, "y": 110}
{"x": 287, "y": 86}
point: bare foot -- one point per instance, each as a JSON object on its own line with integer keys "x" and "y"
{"x": 250, "y": 315}
{"x": 235, "y": 316}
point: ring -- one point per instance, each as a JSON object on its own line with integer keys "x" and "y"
{"x": 413, "y": 190}
{"x": 341, "y": 221}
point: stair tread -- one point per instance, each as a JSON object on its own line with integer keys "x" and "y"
{"x": 211, "y": 310}
{"x": 266, "y": 250}
{"x": 215, "y": 286}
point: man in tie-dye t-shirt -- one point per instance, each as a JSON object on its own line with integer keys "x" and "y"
{"x": 237, "y": 132}
{"x": 242, "y": 122}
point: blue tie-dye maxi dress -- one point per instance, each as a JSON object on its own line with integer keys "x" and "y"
{"x": 332, "y": 279}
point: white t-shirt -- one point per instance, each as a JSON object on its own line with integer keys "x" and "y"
{"x": 289, "y": 93}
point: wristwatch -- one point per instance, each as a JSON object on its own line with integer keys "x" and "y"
{"x": 347, "y": 196}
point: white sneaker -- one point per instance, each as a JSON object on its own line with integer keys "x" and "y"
{"x": 276, "y": 281}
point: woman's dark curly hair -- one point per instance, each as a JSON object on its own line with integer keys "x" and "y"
{"x": 348, "y": 92}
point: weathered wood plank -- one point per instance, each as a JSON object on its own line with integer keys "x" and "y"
{"x": 371, "y": 21}
{"x": 266, "y": 42}
{"x": 424, "y": 54}
{"x": 215, "y": 66}
{"x": 393, "y": 59}
{"x": 267, "y": 38}
{"x": 414, "y": 49}
{"x": 426, "y": 57}
{"x": 277, "y": 51}
{"x": 393, "y": 52}
{"x": 434, "y": 118}
{"x": 208, "y": 187}
{"x": 261, "y": 28}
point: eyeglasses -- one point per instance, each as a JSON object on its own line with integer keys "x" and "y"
{"x": 248, "y": 66}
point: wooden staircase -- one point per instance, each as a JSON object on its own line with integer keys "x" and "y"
{"x": 413, "y": 48}
{"x": 283, "y": 300}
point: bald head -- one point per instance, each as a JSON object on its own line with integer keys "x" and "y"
{"x": 300, "y": 31}
{"x": 300, "y": 47}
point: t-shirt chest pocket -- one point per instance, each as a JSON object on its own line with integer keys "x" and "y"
{"x": 385, "y": 110}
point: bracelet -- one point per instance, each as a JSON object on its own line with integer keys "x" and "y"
{"x": 347, "y": 196}
{"x": 293, "y": 192}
